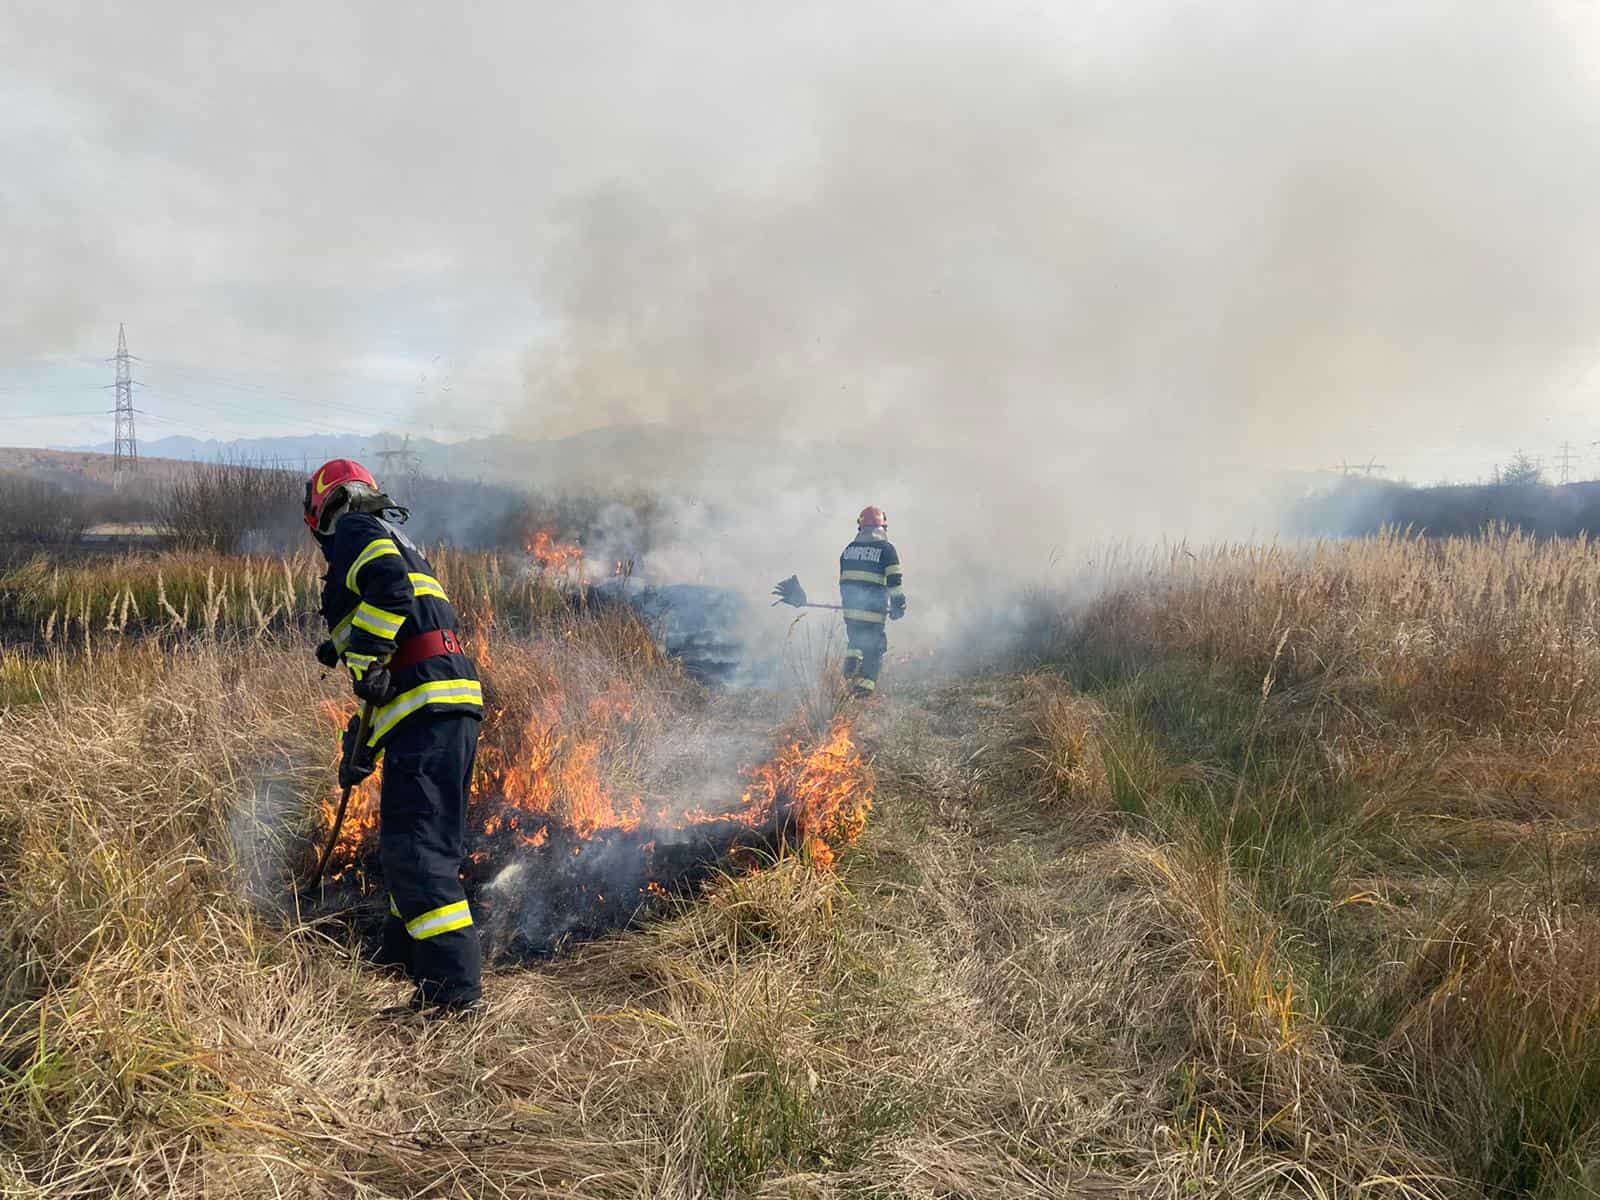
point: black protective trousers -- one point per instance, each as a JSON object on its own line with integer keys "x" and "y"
{"x": 869, "y": 642}
{"x": 427, "y": 777}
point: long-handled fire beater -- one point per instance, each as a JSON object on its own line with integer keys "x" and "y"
{"x": 355, "y": 764}
{"x": 791, "y": 593}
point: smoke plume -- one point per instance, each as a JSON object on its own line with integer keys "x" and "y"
{"x": 1031, "y": 283}
{"x": 1026, "y": 275}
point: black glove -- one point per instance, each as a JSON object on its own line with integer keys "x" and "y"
{"x": 374, "y": 685}
{"x": 897, "y": 608}
{"x": 328, "y": 654}
{"x": 356, "y": 761}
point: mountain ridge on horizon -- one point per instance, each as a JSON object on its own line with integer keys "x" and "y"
{"x": 610, "y": 456}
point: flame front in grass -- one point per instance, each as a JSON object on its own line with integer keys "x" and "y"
{"x": 826, "y": 791}
{"x": 359, "y": 832}
{"x": 540, "y": 772}
{"x": 544, "y": 778}
{"x": 560, "y": 846}
{"x": 553, "y": 558}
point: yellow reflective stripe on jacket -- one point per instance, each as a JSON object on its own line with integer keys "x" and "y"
{"x": 427, "y": 585}
{"x": 359, "y": 664}
{"x": 341, "y": 633}
{"x": 861, "y": 614}
{"x": 849, "y": 654}
{"x": 861, "y": 577}
{"x": 467, "y": 692}
{"x": 376, "y": 548}
{"x": 439, "y": 920}
{"x": 394, "y": 909}
{"x": 376, "y": 621}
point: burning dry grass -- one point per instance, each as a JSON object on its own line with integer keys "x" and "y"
{"x": 606, "y": 783}
{"x": 568, "y": 723}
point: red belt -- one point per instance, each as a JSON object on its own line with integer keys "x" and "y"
{"x": 425, "y": 645}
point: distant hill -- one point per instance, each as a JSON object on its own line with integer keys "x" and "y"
{"x": 290, "y": 451}
{"x": 77, "y": 469}
{"x": 619, "y": 457}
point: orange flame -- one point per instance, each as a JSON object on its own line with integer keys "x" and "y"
{"x": 361, "y": 815}
{"x": 830, "y": 788}
{"x": 555, "y": 558}
{"x": 827, "y": 792}
{"x": 547, "y": 773}
{"x": 533, "y": 775}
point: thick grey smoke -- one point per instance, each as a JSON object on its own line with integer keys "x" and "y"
{"x": 1103, "y": 277}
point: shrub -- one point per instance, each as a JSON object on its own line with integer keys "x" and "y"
{"x": 229, "y": 507}
{"x": 36, "y": 512}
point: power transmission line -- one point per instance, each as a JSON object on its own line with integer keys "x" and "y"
{"x": 404, "y": 458}
{"x": 125, "y": 448}
{"x": 54, "y": 416}
{"x": 1369, "y": 468}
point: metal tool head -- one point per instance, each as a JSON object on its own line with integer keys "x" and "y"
{"x": 790, "y": 592}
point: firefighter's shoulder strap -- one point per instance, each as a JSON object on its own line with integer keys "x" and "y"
{"x": 399, "y": 536}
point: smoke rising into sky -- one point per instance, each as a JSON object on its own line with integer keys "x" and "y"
{"x": 1117, "y": 259}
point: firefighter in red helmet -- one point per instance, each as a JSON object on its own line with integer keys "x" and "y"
{"x": 392, "y": 626}
{"x": 871, "y": 590}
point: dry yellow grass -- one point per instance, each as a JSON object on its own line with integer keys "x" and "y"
{"x": 1494, "y": 632}
{"x": 1061, "y": 746}
{"x": 86, "y": 603}
{"x": 1131, "y": 924}
{"x": 1390, "y": 750}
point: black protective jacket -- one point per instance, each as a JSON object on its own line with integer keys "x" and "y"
{"x": 870, "y": 581}
{"x": 379, "y": 593}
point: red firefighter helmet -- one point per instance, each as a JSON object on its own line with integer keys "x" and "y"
{"x": 328, "y": 483}
{"x": 872, "y": 517}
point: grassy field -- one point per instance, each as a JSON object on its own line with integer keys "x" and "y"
{"x": 77, "y": 604}
{"x": 1259, "y": 872}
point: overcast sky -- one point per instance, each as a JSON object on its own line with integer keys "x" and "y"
{"x": 1118, "y": 238}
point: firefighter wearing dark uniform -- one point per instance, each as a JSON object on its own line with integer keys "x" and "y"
{"x": 394, "y": 628}
{"x": 870, "y": 590}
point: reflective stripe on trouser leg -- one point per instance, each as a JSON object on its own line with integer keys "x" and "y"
{"x": 422, "y": 841}
{"x": 447, "y": 918}
{"x": 864, "y": 659}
